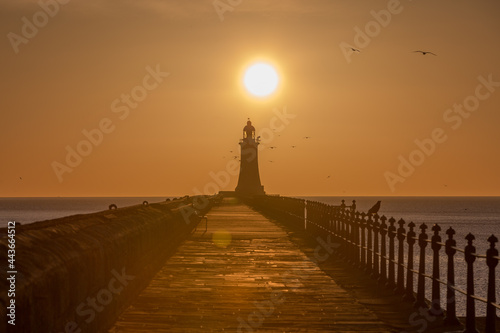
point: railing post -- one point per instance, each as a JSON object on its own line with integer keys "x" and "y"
{"x": 492, "y": 263}
{"x": 391, "y": 233}
{"x": 347, "y": 233}
{"x": 341, "y": 231}
{"x": 410, "y": 239}
{"x": 354, "y": 230}
{"x": 376, "y": 226}
{"x": 422, "y": 243}
{"x": 336, "y": 224}
{"x": 383, "y": 261}
{"x": 357, "y": 238}
{"x": 400, "y": 285}
{"x": 451, "y": 305}
{"x": 306, "y": 208}
{"x": 470, "y": 320}
{"x": 436, "y": 286}
{"x": 369, "y": 248}
{"x": 362, "y": 226}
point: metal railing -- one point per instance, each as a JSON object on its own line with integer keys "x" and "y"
{"x": 365, "y": 240}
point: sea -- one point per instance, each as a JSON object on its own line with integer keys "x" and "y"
{"x": 477, "y": 215}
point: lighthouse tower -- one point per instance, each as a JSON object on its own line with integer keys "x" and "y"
{"x": 249, "y": 180}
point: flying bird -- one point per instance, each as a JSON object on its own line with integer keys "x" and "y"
{"x": 294, "y": 146}
{"x": 374, "y": 209}
{"x": 273, "y": 147}
{"x": 355, "y": 50}
{"x": 425, "y": 52}
{"x": 307, "y": 137}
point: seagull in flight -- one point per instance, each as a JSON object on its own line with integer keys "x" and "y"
{"x": 354, "y": 50}
{"x": 425, "y": 52}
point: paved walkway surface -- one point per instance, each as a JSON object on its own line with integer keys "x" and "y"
{"x": 244, "y": 275}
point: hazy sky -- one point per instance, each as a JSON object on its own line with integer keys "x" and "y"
{"x": 71, "y": 71}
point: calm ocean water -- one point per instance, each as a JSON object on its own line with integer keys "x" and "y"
{"x": 479, "y": 215}
{"x": 29, "y": 210}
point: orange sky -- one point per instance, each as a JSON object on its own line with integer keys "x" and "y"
{"x": 363, "y": 111}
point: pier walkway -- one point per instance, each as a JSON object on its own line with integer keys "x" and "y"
{"x": 244, "y": 274}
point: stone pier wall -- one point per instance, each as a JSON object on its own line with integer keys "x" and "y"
{"x": 76, "y": 274}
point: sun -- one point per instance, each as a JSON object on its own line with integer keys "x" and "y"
{"x": 261, "y": 79}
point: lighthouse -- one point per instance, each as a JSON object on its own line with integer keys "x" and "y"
{"x": 249, "y": 179}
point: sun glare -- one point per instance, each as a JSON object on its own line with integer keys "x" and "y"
{"x": 261, "y": 79}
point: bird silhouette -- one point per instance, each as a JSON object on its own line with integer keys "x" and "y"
{"x": 425, "y": 52}
{"x": 355, "y": 50}
{"x": 374, "y": 209}
{"x": 273, "y": 147}
{"x": 294, "y": 146}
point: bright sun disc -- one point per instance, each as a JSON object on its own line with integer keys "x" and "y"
{"x": 261, "y": 79}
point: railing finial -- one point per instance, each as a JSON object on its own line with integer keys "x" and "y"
{"x": 492, "y": 240}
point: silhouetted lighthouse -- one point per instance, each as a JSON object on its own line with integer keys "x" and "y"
{"x": 249, "y": 180}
